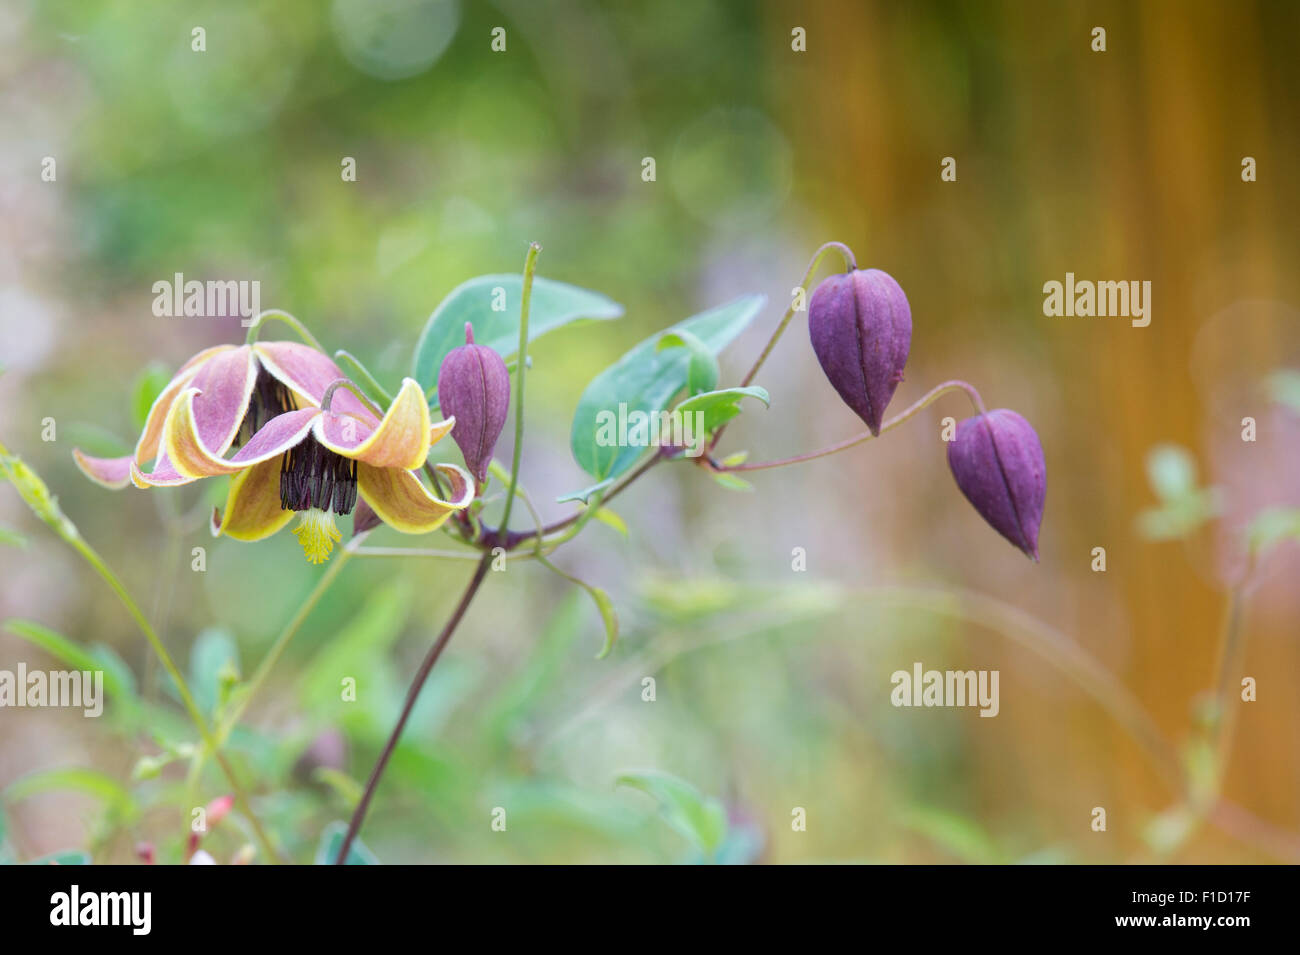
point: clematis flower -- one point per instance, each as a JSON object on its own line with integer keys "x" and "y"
{"x": 316, "y": 461}
{"x": 238, "y": 390}
{"x": 474, "y": 388}
{"x": 997, "y": 461}
{"x": 861, "y": 329}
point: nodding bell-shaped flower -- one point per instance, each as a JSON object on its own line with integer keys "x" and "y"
{"x": 237, "y": 390}
{"x": 861, "y": 329}
{"x": 474, "y": 388}
{"x": 314, "y": 462}
{"x": 997, "y": 460}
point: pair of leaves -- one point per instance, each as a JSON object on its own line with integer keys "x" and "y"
{"x": 647, "y": 378}
{"x": 1184, "y": 505}
{"x": 491, "y": 304}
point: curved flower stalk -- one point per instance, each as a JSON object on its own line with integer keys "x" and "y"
{"x": 316, "y": 461}
{"x": 239, "y": 388}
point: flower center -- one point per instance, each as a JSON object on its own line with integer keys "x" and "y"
{"x": 270, "y": 398}
{"x": 317, "y": 533}
{"x": 312, "y": 477}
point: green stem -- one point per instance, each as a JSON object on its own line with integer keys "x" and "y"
{"x": 351, "y": 386}
{"x": 255, "y": 329}
{"x": 362, "y": 372}
{"x": 850, "y": 263}
{"x": 1230, "y": 651}
{"x": 927, "y": 399}
{"x": 195, "y": 714}
{"x": 412, "y": 694}
{"x": 530, "y": 267}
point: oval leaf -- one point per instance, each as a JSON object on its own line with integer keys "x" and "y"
{"x": 719, "y": 407}
{"x": 646, "y": 379}
{"x": 553, "y": 305}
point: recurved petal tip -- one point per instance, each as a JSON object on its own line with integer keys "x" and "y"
{"x": 112, "y": 473}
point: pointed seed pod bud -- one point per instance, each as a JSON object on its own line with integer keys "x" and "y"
{"x": 474, "y": 386}
{"x": 997, "y": 460}
{"x": 861, "y": 329}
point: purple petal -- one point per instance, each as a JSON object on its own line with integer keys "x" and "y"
{"x": 277, "y": 436}
{"x": 309, "y": 372}
{"x": 998, "y": 463}
{"x": 861, "y": 330}
{"x": 225, "y": 384}
{"x": 474, "y": 388}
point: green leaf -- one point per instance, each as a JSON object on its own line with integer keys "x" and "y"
{"x": 12, "y": 538}
{"x": 719, "y": 407}
{"x": 585, "y": 494}
{"x": 348, "y": 789}
{"x": 608, "y": 616}
{"x": 214, "y": 659}
{"x": 955, "y": 834}
{"x": 553, "y": 305}
{"x": 1184, "y": 506}
{"x": 646, "y": 379}
{"x": 610, "y": 519}
{"x": 88, "y": 781}
{"x": 119, "y": 682}
{"x": 1172, "y": 471}
{"x": 731, "y": 482}
{"x": 701, "y": 819}
{"x": 703, "y": 371}
{"x": 331, "y": 840}
{"x": 1273, "y": 526}
{"x": 146, "y": 388}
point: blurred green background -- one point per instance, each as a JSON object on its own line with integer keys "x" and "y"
{"x": 772, "y": 685}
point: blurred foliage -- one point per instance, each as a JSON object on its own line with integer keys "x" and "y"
{"x": 771, "y": 685}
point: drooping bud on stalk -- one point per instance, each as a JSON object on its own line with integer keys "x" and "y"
{"x": 474, "y": 386}
{"x": 861, "y": 329}
{"x": 997, "y": 460}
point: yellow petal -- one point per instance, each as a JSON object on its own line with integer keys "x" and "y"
{"x": 253, "y": 509}
{"x": 162, "y": 475}
{"x": 403, "y": 502}
{"x": 400, "y": 441}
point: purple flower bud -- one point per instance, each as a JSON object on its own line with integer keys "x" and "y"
{"x": 861, "y": 328}
{"x": 473, "y": 385}
{"x": 998, "y": 463}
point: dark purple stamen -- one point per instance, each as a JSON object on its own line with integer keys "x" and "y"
{"x": 270, "y": 398}
{"x": 311, "y": 475}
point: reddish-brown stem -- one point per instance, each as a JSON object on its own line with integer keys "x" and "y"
{"x": 928, "y": 398}
{"x": 435, "y": 651}
{"x": 514, "y": 538}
